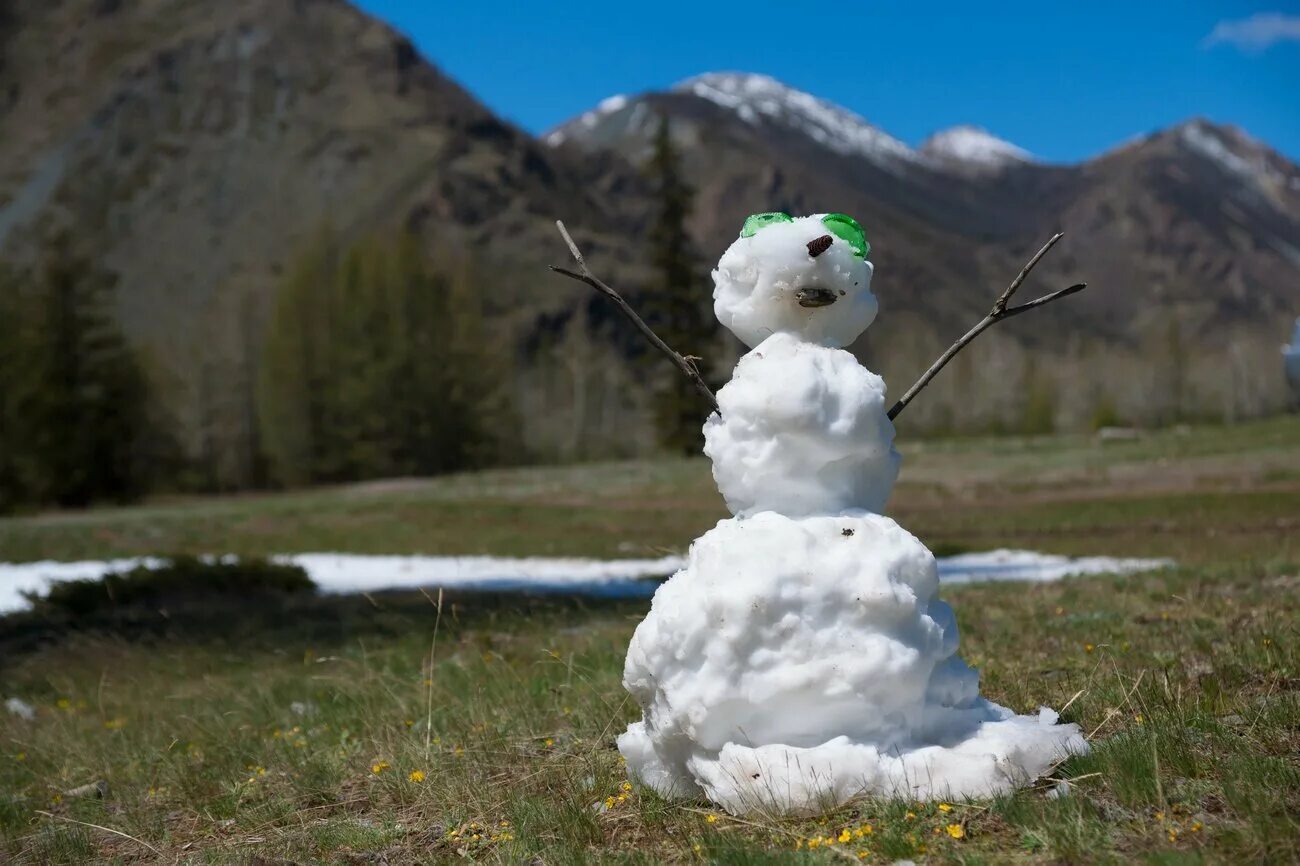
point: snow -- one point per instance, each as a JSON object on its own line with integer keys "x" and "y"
{"x": 756, "y": 97}
{"x": 350, "y": 573}
{"x": 802, "y": 431}
{"x": 758, "y": 278}
{"x": 797, "y": 663}
{"x": 623, "y": 578}
{"x": 803, "y": 657}
{"x": 587, "y": 120}
{"x": 1237, "y": 153}
{"x": 974, "y": 146}
{"x": 20, "y": 708}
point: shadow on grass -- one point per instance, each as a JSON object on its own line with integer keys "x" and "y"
{"x": 272, "y": 614}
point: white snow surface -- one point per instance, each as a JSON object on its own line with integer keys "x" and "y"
{"x": 587, "y": 120}
{"x": 797, "y": 663}
{"x": 756, "y": 285}
{"x": 348, "y": 572}
{"x": 756, "y": 97}
{"x": 802, "y": 431}
{"x": 975, "y": 146}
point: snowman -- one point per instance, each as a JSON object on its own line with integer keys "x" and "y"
{"x": 803, "y": 657}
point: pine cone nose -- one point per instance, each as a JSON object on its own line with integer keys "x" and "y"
{"x": 819, "y": 246}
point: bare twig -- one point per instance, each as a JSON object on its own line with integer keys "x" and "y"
{"x": 100, "y": 827}
{"x": 685, "y": 363}
{"x": 433, "y": 645}
{"x": 999, "y": 312}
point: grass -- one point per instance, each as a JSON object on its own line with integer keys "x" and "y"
{"x": 342, "y": 730}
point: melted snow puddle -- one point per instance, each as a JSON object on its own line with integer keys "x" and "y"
{"x": 613, "y": 578}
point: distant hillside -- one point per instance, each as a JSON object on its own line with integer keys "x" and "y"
{"x": 193, "y": 148}
{"x": 1189, "y": 238}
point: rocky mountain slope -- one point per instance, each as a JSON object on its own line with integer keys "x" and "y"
{"x": 193, "y": 148}
{"x": 1189, "y": 237}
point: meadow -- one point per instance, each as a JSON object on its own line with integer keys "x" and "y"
{"x": 414, "y": 728}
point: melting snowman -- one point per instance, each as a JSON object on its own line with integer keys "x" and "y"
{"x": 803, "y": 657}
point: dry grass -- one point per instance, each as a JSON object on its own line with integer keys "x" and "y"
{"x": 300, "y": 733}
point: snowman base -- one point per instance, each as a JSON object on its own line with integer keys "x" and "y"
{"x": 795, "y": 664}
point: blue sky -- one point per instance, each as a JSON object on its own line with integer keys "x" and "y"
{"x": 1063, "y": 80}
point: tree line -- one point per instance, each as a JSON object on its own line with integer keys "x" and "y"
{"x": 374, "y": 364}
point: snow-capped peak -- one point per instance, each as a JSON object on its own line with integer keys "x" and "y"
{"x": 756, "y": 98}
{"x": 608, "y": 105}
{"x": 1238, "y": 153}
{"x": 974, "y": 146}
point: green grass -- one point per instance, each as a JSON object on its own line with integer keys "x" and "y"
{"x": 1187, "y": 680}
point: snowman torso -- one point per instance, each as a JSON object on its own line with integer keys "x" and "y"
{"x": 802, "y": 430}
{"x": 802, "y": 657}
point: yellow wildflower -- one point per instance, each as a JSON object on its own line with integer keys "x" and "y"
{"x": 956, "y": 831}
{"x": 21, "y": 756}
{"x": 549, "y": 742}
{"x": 1138, "y": 718}
{"x": 409, "y": 722}
{"x": 1088, "y": 647}
{"x": 845, "y": 835}
{"x": 379, "y": 766}
{"x": 626, "y": 786}
{"x": 944, "y": 807}
{"x": 63, "y": 704}
{"x": 909, "y": 816}
{"x": 712, "y": 819}
{"x": 814, "y": 842}
{"x": 416, "y": 776}
{"x": 115, "y": 724}
{"x": 1197, "y": 826}
{"x": 609, "y": 802}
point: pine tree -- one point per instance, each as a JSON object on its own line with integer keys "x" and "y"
{"x": 676, "y": 305}
{"x": 375, "y": 365}
{"x": 77, "y": 410}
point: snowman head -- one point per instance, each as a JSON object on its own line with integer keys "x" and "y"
{"x": 806, "y": 276}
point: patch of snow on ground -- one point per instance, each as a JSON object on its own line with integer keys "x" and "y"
{"x": 616, "y": 578}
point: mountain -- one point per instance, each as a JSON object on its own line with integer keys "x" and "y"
{"x": 193, "y": 148}
{"x": 973, "y": 148}
{"x": 1189, "y": 238}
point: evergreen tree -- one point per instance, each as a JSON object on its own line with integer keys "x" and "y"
{"x": 676, "y": 306}
{"x": 75, "y": 408}
{"x": 375, "y": 365}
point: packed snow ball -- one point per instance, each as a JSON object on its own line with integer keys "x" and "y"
{"x": 802, "y": 430}
{"x": 806, "y": 276}
{"x": 795, "y": 664}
